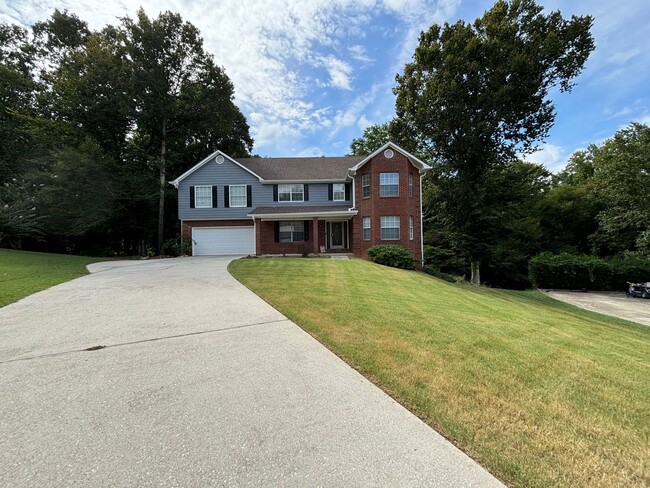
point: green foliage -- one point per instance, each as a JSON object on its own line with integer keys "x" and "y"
{"x": 177, "y": 246}
{"x": 18, "y": 213}
{"x": 477, "y": 94}
{"x": 435, "y": 272}
{"x": 392, "y": 255}
{"x": 570, "y": 271}
{"x": 374, "y": 136}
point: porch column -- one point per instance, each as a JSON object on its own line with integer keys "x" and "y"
{"x": 314, "y": 225}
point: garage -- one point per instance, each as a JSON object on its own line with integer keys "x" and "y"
{"x": 215, "y": 241}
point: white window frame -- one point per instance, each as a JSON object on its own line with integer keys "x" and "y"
{"x": 366, "y": 227}
{"x": 411, "y": 226}
{"x": 230, "y": 195}
{"x": 411, "y": 185}
{"x": 383, "y": 187}
{"x": 292, "y": 190}
{"x": 293, "y": 232}
{"x": 338, "y": 188}
{"x": 205, "y": 198}
{"x": 365, "y": 179}
{"x": 389, "y": 222}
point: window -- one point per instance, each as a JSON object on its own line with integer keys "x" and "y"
{"x": 203, "y": 196}
{"x": 410, "y": 184}
{"x": 366, "y": 228}
{"x": 389, "y": 228}
{"x": 365, "y": 185}
{"x": 411, "y": 227}
{"x": 388, "y": 184}
{"x": 237, "y": 195}
{"x": 291, "y": 193}
{"x": 292, "y": 231}
{"x": 338, "y": 192}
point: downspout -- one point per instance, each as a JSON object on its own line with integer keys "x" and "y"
{"x": 421, "y": 225}
{"x": 254, "y": 234}
{"x": 354, "y": 193}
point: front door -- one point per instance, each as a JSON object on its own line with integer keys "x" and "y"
{"x": 337, "y": 237}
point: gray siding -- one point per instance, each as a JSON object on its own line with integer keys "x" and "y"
{"x": 229, "y": 173}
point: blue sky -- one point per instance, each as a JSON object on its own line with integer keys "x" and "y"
{"x": 310, "y": 75}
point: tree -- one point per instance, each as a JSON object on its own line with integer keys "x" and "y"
{"x": 476, "y": 95}
{"x": 182, "y": 98}
{"x": 374, "y": 136}
{"x": 622, "y": 184}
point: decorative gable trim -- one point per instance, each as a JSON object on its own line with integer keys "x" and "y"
{"x": 211, "y": 157}
{"x": 418, "y": 163}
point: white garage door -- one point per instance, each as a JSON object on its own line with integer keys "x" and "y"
{"x": 215, "y": 241}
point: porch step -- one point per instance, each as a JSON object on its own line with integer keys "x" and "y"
{"x": 338, "y": 256}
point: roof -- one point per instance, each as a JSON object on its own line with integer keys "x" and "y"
{"x": 300, "y": 169}
{"x": 302, "y": 211}
{"x": 303, "y": 170}
{"x": 418, "y": 163}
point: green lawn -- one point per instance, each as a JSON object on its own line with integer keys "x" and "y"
{"x": 23, "y": 273}
{"x": 539, "y": 392}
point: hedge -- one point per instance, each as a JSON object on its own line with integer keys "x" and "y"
{"x": 392, "y": 255}
{"x": 570, "y": 271}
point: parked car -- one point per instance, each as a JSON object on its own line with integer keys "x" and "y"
{"x": 638, "y": 290}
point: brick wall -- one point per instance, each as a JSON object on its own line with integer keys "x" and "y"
{"x": 375, "y": 206}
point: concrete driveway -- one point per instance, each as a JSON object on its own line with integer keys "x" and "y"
{"x": 200, "y": 383}
{"x": 611, "y": 303}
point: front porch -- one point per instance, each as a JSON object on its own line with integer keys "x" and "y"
{"x": 303, "y": 231}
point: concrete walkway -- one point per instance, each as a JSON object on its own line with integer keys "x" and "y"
{"x": 611, "y": 303}
{"x": 200, "y": 383}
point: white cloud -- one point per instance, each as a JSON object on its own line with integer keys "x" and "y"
{"x": 311, "y": 152}
{"x": 364, "y": 122}
{"x": 273, "y": 49}
{"x": 339, "y": 72}
{"x": 550, "y": 155}
{"x": 644, "y": 119}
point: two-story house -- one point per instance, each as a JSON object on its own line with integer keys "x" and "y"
{"x": 271, "y": 206}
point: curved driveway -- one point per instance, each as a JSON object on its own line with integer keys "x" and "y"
{"x": 200, "y": 383}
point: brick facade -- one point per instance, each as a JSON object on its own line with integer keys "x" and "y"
{"x": 374, "y": 206}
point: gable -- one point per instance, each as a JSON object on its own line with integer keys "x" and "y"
{"x": 212, "y": 162}
{"x": 416, "y": 162}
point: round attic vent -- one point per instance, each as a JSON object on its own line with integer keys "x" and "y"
{"x": 219, "y": 159}
{"x": 388, "y": 153}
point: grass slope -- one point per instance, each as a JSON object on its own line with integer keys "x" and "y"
{"x": 539, "y": 392}
{"x": 23, "y": 273}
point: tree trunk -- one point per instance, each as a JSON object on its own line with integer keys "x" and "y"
{"x": 476, "y": 271}
{"x": 161, "y": 201}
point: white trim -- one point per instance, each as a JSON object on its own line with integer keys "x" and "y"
{"x": 345, "y": 234}
{"x": 399, "y": 228}
{"x": 281, "y": 182}
{"x": 421, "y": 226}
{"x": 421, "y": 165}
{"x": 299, "y": 215}
{"x": 363, "y": 228}
{"x": 203, "y": 206}
{"x": 211, "y": 157}
{"x": 354, "y": 194}
{"x": 225, "y": 227}
{"x": 411, "y": 228}
{"x": 230, "y": 205}
{"x": 334, "y": 199}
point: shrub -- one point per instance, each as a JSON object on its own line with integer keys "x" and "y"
{"x": 177, "y": 246}
{"x": 392, "y": 255}
{"x": 569, "y": 271}
{"x": 433, "y": 271}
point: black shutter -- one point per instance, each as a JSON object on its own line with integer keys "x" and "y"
{"x": 330, "y": 192}
{"x": 275, "y": 194}
{"x": 348, "y": 188}
{"x": 277, "y": 231}
{"x": 249, "y": 196}
{"x": 345, "y": 235}
{"x": 226, "y": 196}
{"x": 306, "y": 193}
{"x": 215, "y": 202}
{"x": 192, "y": 197}
{"x": 306, "y": 238}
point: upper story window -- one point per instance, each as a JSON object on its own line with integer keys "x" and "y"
{"x": 410, "y": 184}
{"x": 338, "y": 192}
{"x": 291, "y": 193}
{"x": 203, "y": 196}
{"x": 388, "y": 184}
{"x": 237, "y": 195}
{"x": 365, "y": 185}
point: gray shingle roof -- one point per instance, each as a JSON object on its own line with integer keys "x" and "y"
{"x": 300, "y": 209}
{"x": 300, "y": 169}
